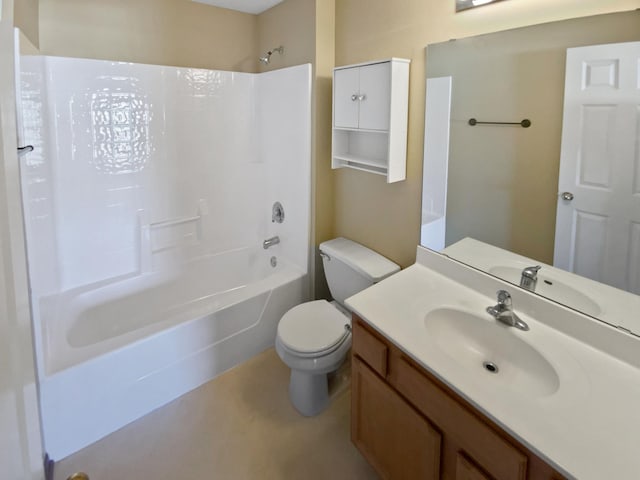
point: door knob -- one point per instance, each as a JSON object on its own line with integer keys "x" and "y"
{"x": 79, "y": 476}
{"x": 24, "y": 150}
{"x": 567, "y": 196}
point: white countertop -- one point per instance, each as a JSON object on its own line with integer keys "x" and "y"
{"x": 588, "y": 429}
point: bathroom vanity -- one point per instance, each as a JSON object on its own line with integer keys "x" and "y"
{"x": 441, "y": 390}
{"x": 408, "y": 424}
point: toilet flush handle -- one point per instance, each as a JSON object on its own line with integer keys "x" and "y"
{"x": 324, "y": 255}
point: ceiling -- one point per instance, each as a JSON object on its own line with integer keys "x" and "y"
{"x": 247, "y": 6}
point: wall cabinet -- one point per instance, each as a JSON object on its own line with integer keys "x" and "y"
{"x": 410, "y": 425}
{"x": 370, "y": 108}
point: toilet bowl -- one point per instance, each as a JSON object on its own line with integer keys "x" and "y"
{"x": 314, "y": 338}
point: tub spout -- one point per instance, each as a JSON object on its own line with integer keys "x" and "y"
{"x": 270, "y": 242}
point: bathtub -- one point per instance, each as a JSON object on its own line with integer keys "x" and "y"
{"x": 115, "y": 351}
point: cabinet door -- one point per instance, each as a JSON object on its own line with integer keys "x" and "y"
{"x": 345, "y": 105}
{"x": 487, "y": 447}
{"x": 369, "y": 348}
{"x": 466, "y": 470}
{"x": 393, "y": 437}
{"x": 375, "y": 94}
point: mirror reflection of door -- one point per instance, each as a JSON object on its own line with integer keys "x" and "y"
{"x": 598, "y": 212}
{"x": 502, "y": 182}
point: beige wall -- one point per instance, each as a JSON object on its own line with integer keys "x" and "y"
{"x": 387, "y": 217}
{"x": 324, "y": 197}
{"x": 163, "y": 32}
{"x": 503, "y": 181}
{"x": 25, "y": 17}
{"x": 290, "y": 24}
{"x": 26, "y": 47}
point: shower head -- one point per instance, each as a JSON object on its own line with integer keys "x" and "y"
{"x": 267, "y": 58}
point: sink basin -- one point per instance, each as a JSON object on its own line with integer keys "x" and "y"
{"x": 551, "y": 288}
{"x": 491, "y": 352}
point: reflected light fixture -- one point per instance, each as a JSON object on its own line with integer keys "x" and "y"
{"x": 466, "y": 4}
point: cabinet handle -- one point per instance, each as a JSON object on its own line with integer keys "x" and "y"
{"x": 362, "y": 97}
{"x": 354, "y": 97}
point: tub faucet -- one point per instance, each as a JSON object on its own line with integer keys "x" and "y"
{"x": 503, "y": 312}
{"x": 529, "y": 278}
{"x": 270, "y": 242}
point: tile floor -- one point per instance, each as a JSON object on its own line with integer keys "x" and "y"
{"x": 238, "y": 426}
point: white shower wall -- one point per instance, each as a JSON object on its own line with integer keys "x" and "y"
{"x": 147, "y": 198}
{"x": 283, "y": 182}
{"x": 139, "y": 168}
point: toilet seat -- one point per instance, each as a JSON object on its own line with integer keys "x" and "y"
{"x": 313, "y": 329}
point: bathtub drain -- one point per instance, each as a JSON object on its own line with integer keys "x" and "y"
{"x": 490, "y": 367}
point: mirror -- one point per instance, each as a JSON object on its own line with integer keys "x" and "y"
{"x": 502, "y": 179}
{"x": 467, "y": 4}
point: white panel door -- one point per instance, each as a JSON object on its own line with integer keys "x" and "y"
{"x": 375, "y": 96}
{"x": 20, "y": 442}
{"x": 598, "y": 223}
{"x": 346, "y": 84}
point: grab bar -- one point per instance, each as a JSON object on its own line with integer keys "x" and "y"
{"x": 175, "y": 221}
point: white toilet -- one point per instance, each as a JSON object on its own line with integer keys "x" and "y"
{"x": 314, "y": 337}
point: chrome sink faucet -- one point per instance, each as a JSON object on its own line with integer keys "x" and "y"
{"x": 270, "y": 242}
{"x": 503, "y": 311}
{"x": 529, "y": 278}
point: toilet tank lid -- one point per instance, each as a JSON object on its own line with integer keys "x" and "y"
{"x": 360, "y": 258}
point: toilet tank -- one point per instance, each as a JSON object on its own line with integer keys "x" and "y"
{"x": 350, "y": 267}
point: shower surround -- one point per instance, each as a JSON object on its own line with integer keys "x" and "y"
{"x": 146, "y": 200}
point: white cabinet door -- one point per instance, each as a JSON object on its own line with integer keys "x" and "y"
{"x": 375, "y": 96}
{"x": 345, "y": 98}
{"x": 598, "y": 230}
{"x": 370, "y": 106}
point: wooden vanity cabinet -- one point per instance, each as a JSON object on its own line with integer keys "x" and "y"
{"x": 393, "y": 436}
{"x": 409, "y": 425}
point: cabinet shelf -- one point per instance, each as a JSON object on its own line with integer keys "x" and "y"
{"x": 363, "y": 130}
{"x": 359, "y": 164}
{"x": 370, "y": 108}
{"x": 360, "y": 161}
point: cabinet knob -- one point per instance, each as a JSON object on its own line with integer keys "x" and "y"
{"x": 362, "y": 97}
{"x": 354, "y": 97}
